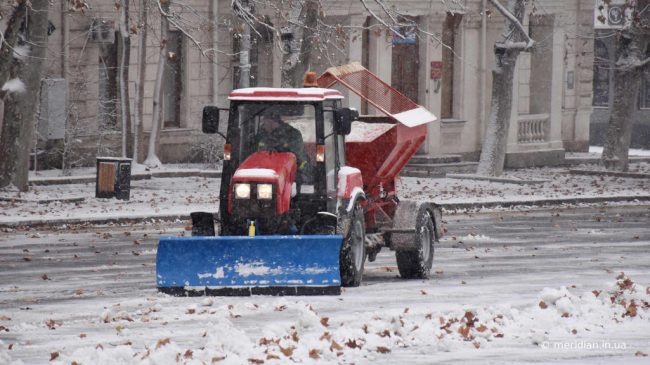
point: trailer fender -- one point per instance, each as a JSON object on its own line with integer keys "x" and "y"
{"x": 402, "y": 233}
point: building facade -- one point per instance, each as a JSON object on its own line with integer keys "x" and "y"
{"x": 443, "y": 62}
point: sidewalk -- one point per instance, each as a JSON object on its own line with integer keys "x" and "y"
{"x": 173, "y": 193}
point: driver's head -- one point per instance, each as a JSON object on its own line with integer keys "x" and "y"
{"x": 271, "y": 121}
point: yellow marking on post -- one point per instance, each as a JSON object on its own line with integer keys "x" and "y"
{"x": 251, "y": 229}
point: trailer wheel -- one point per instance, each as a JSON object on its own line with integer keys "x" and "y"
{"x": 353, "y": 251}
{"x": 416, "y": 264}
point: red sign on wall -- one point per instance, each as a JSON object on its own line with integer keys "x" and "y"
{"x": 436, "y": 70}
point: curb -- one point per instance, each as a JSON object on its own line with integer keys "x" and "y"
{"x": 633, "y": 175}
{"x": 545, "y": 202}
{"x": 94, "y": 221}
{"x": 90, "y": 179}
{"x": 502, "y": 180}
{"x": 447, "y": 206}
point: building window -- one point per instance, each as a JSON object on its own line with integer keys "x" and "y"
{"x": 173, "y": 81}
{"x": 602, "y": 70}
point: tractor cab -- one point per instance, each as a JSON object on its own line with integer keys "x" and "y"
{"x": 282, "y": 154}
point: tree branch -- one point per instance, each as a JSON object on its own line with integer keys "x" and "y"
{"x": 515, "y": 22}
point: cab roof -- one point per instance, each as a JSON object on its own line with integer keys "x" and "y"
{"x": 285, "y": 94}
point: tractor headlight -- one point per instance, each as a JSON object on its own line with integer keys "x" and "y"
{"x": 242, "y": 191}
{"x": 264, "y": 191}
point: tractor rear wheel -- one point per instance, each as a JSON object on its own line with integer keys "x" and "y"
{"x": 353, "y": 251}
{"x": 416, "y": 264}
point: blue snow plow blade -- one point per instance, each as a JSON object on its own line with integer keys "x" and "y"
{"x": 243, "y": 265}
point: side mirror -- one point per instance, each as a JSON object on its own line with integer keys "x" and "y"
{"x": 210, "y": 122}
{"x": 344, "y": 118}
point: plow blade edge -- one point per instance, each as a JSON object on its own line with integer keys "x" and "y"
{"x": 241, "y": 265}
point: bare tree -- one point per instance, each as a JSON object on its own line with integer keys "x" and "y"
{"x": 125, "y": 101}
{"x": 152, "y": 159}
{"x": 515, "y": 40}
{"x": 21, "y": 97}
{"x": 244, "y": 11}
{"x": 142, "y": 66}
{"x": 297, "y": 38}
{"x": 630, "y": 64}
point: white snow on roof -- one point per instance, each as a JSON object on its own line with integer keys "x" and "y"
{"x": 415, "y": 117}
{"x": 307, "y": 94}
{"x": 256, "y": 173}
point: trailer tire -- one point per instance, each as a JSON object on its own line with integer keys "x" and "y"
{"x": 416, "y": 264}
{"x": 353, "y": 251}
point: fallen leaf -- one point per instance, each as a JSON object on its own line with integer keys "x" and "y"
{"x": 383, "y": 350}
{"x": 476, "y": 344}
{"x": 352, "y": 344}
{"x": 82, "y": 335}
{"x": 543, "y": 305}
{"x": 137, "y": 242}
{"x": 4, "y": 318}
{"x": 574, "y": 331}
{"x": 27, "y": 259}
{"x": 314, "y": 354}
{"x": 45, "y": 277}
{"x": 52, "y": 324}
{"x": 596, "y": 293}
{"x": 188, "y": 354}
{"x": 294, "y": 337}
{"x": 217, "y": 359}
{"x": 255, "y": 361}
{"x": 325, "y": 336}
{"x": 481, "y": 328}
{"x": 336, "y": 346}
{"x": 272, "y": 357}
{"x": 54, "y": 355}
{"x": 464, "y": 331}
{"x": 324, "y": 321}
{"x": 288, "y": 351}
{"x": 641, "y": 354}
{"x": 162, "y": 342}
{"x": 631, "y": 310}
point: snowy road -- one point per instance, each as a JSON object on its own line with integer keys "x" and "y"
{"x": 88, "y": 296}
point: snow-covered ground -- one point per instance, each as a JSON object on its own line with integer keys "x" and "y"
{"x": 543, "y": 287}
{"x": 634, "y": 152}
{"x": 180, "y": 196}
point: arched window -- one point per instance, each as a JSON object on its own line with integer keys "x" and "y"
{"x": 602, "y": 69}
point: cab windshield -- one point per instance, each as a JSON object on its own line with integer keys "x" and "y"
{"x": 276, "y": 127}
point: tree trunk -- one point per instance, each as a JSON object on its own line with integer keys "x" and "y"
{"x": 125, "y": 101}
{"x": 495, "y": 142}
{"x": 291, "y": 37}
{"x": 8, "y": 131}
{"x": 139, "y": 88}
{"x": 20, "y": 105}
{"x": 10, "y": 37}
{"x": 627, "y": 83}
{"x": 152, "y": 159}
{"x": 244, "y": 50}
{"x": 493, "y": 152}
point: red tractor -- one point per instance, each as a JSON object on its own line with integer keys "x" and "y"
{"x": 307, "y": 193}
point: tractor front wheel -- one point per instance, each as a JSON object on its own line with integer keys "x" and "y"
{"x": 417, "y": 263}
{"x": 353, "y": 251}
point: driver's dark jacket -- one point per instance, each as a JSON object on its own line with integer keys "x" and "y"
{"x": 284, "y": 138}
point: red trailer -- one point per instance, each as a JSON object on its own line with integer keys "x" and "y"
{"x": 307, "y": 193}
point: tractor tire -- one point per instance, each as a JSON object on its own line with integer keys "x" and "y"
{"x": 353, "y": 251}
{"x": 416, "y": 264}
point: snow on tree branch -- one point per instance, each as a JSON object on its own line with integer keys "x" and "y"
{"x": 528, "y": 44}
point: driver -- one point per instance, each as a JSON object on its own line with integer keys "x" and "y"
{"x": 276, "y": 135}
